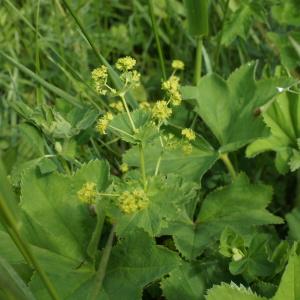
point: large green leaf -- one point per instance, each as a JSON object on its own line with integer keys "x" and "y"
{"x": 283, "y": 120}
{"x": 12, "y": 284}
{"x": 135, "y": 262}
{"x": 167, "y": 197}
{"x": 289, "y": 288}
{"x": 231, "y": 108}
{"x": 190, "y": 166}
{"x": 185, "y": 282}
{"x": 232, "y": 292}
{"x": 7, "y": 195}
{"x": 240, "y": 206}
{"x": 67, "y": 275}
{"x": 293, "y": 220}
{"x": 57, "y": 220}
{"x": 132, "y": 267}
{"x": 121, "y": 126}
{"x": 9, "y": 251}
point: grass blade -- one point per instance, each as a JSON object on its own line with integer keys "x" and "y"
{"x": 59, "y": 92}
{"x": 112, "y": 73}
{"x": 155, "y": 31}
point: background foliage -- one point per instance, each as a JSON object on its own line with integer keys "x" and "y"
{"x": 223, "y": 221}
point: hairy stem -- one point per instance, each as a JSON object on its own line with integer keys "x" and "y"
{"x": 128, "y": 113}
{"x": 103, "y": 265}
{"x": 142, "y": 164}
{"x": 224, "y": 157}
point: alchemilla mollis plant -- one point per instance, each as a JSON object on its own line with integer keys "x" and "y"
{"x": 165, "y": 166}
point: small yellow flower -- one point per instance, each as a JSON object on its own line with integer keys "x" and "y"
{"x": 88, "y": 192}
{"x": 175, "y": 98}
{"x": 161, "y": 111}
{"x": 144, "y": 105}
{"x": 189, "y": 134}
{"x": 172, "y": 84}
{"x": 117, "y": 106}
{"x": 131, "y": 202}
{"x": 187, "y": 149}
{"x": 135, "y": 77}
{"x": 99, "y": 76}
{"x": 100, "y": 73}
{"x": 177, "y": 64}
{"x": 170, "y": 142}
{"x": 124, "y": 168}
{"x": 103, "y": 123}
{"x": 109, "y": 116}
{"x": 131, "y": 78}
{"x": 126, "y": 63}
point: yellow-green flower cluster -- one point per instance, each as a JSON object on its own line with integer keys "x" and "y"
{"x": 187, "y": 148}
{"x": 103, "y": 122}
{"x": 88, "y": 192}
{"x": 189, "y": 134}
{"x": 125, "y": 64}
{"x": 161, "y": 111}
{"x": 118, "y": 106}
{"x": 130, "y": 77}
{"x": 133, "y": 201}
{"x": 100, "y": 76}
{"x": 177, "y": 64}
{"x": 171, "y": 86}
{"x": 144, "y": 105}
{"x": 170, "y": 142}
{"x": 124, "y": 168}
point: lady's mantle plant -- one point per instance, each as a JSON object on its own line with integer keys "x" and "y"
{"x": 162, "y": 227}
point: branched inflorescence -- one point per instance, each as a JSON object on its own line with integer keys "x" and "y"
{"x": 87, "y": 194}
{"x": 133, "y": 201}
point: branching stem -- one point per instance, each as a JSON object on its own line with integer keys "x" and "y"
{"x": 128, "y": 113}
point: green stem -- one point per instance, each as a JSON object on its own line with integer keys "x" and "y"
{"x": 224, "y": 157}
{"x": 128, "y": 113}
{"x": 142, "y": 165}
{"x": 159, "y": 48}
{"x": 198, "y": 64}
{"x": 37, "y": 54}
{"x": 160, "y": 157}
{"x": 217, "y": 53}
{"x": 121, "y": 131}
{"x": 86, "y": 35}
{"x": 108, "y": 195}
{"x": 24, "y": 248}
{"x": 103, "y": 266}
{"x": 158, "y": 164}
